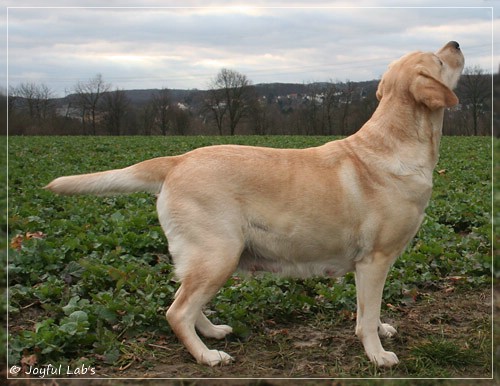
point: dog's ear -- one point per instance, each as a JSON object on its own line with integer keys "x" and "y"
{"x": 380, "y": 89}
{"x": 431, "y": 92}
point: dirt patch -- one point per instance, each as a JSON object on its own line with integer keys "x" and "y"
{"x": 323, "y": 346}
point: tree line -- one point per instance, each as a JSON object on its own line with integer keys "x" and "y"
{"x": 231, "y": 105}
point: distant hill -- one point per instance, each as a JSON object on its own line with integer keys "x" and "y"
{"x": 193, "y": 97}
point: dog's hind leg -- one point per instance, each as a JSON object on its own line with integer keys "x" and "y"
{"x": 201, "y": 276}
{"x": 386, "y": 330}
{"x": 209, "y": 330}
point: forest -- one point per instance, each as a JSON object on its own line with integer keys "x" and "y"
{"x": 231, "y": 105}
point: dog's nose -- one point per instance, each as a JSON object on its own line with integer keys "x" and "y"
{"x": 454, "y": 44}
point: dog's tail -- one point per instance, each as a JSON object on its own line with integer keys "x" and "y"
{"x": 146, "y": 176}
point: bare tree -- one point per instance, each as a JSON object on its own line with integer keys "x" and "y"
{"x": 27, "y": 93}
{"x": 311, "y": 110}
{"x": 35, "y": 99}
{"x": 89, "y": 96}
{"x": 215, "y": 105}
{"x": 330, "y": 105}
{"x": 45, "y": 104}
{"x": 346, "y": 99}
{"x": 148, "y": 118}
{"x": 180, "y": 119}
{"x": 116, "y": 105}
{"x": 12, "y": 100}
{"x": 3, "y": 111}
{"x": 160, "y": 105}
{"x": 230, "y": 95}
{"x": 475, "y": 92}
{"x": 261, "y": 118}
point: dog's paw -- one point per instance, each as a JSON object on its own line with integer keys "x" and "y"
{"x": 384, "y": 359}
{"x": 218, "y": 331}
{"x": 215, "y": 357}
{"x": 386, "y": 330}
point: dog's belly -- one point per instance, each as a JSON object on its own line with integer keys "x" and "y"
{"x": 287, "y": 255}
{"x": 251, "y": 262}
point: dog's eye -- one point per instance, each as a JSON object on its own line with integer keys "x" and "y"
{"x": 440, "y": 62}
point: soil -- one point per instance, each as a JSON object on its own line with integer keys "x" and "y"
{"x": 318, "y": 347}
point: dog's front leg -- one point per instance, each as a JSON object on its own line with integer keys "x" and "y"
{"x": 370, "y": 280}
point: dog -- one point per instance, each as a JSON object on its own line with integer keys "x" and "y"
{"x": 351, "y": 204}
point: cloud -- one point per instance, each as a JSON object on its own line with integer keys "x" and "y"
{"x": 185, "y": 47}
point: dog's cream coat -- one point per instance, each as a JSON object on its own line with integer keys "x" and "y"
{"x": 349, "y": 205}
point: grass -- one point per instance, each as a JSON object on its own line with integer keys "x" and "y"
{"x": 90, "y": 278}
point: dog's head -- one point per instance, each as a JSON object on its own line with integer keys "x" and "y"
{"x": 424, "y": 77}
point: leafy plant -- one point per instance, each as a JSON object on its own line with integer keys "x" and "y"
{"x": 99, "y": 272}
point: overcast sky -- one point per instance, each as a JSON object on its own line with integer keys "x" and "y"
{"x": 137, "y": 48}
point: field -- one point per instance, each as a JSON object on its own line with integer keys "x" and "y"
{"x": 90, "y": 278}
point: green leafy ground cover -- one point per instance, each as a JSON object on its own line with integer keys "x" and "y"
{"x": 90, "y": 278}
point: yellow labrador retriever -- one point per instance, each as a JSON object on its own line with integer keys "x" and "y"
{"x": 348, "y": 205}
